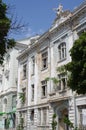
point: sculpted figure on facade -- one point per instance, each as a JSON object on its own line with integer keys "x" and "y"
{"x": 59, "y": 10}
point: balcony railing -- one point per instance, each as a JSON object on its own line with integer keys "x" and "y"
{"x": 58, "y": 94}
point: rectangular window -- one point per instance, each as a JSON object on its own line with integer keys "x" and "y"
{"x": 82, "y": 116}
{"x": 43, "y": 116}
{"x": 62, "y": 51}
{"x": 14, "y": 120}
{"x": 14, "y": 97}
{"x": 44, "y": 88}
{"x": 23, "y": 117}
{"x": 39, "y": 116}
{"x": 33, "y": 65}
{"x": 44, "y": 60}
{"x": 44, "y": 121}
{"x": 23, "y": 95}
{"x": 62, "y": 81}
{"x": 0, "y": 79}
{"x": 32, "y": 87}
{"x": 6, "y": 126}
{"x": 24, "y": 71}
{"x": 32, "y": 117}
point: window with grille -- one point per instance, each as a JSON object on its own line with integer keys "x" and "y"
{"x": 44, "y": 60}
{"x": 62, "y": 51}
{"x": 44, "y": 88}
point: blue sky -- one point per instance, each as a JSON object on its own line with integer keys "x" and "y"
{"x": 38, "y": 14}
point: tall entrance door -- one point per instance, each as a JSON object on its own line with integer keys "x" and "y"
{"x": 61, "y": 115}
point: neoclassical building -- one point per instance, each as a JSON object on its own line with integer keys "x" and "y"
{"x": 38, "y": 98}
{"x": 8, "y": 88}
{"x": 29, "y": 93}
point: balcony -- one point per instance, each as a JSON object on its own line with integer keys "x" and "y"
{"x": 59, "y": 94}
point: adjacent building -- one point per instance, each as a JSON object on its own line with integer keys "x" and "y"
{"x": 8, "y": 88}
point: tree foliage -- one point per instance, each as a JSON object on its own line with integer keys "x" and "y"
{"x": 5, "y": 25}
{"x": 8, "y": 24}
{"x": 77, "y": 67}
{"x": 54, "y": 122}
{"x": 22, "y": 97}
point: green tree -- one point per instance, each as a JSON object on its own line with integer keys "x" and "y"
{"x": 54, "y": 122}
{"x": 22, "y": 97}
{"x": 8, "y": 24}
{"x": 68, "y": 122}
{"x": 5, "y": 25}
{"x": 77, "y": 67}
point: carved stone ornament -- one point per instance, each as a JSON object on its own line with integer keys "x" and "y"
{"x": 59, "y": 10}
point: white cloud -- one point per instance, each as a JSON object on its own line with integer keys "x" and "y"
{"x": 29, "y": 32}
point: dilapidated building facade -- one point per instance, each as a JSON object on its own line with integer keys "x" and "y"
{"x": 40, "y": 98}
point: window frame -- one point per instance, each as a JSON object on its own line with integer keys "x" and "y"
{"x": 33, "y": 64}
{"x": 32, "y": 116}
{"x": 25, "y": 96}
{"x": 44, "y": 57}
{"x": 43, "y": 89}
{"x": 62, "y": 84}
{"x": 41, "y": 120}
{"x": 24, "y": 71}
{"x": 81, "y": 116}
{"x": 32, "y": 92}
{"x": 62, "y": 51}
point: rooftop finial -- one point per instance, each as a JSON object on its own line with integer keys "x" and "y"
{"x": 59, "y": 10}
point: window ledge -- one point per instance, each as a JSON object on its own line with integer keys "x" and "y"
{"x": 24, "y": 78}
{"x": 62, "y": 91}
{"x": 32, "y": 100}
{"x": 32, "y": 74}
{"x": 52, "y": 93}
{"x": 44, "y": 68}
{"x": 61, "y": 60}
{"x": 45, "y": 125}
{"x": 43, "y": 97}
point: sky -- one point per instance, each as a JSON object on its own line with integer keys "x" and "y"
{"x": 38, "y": 14}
